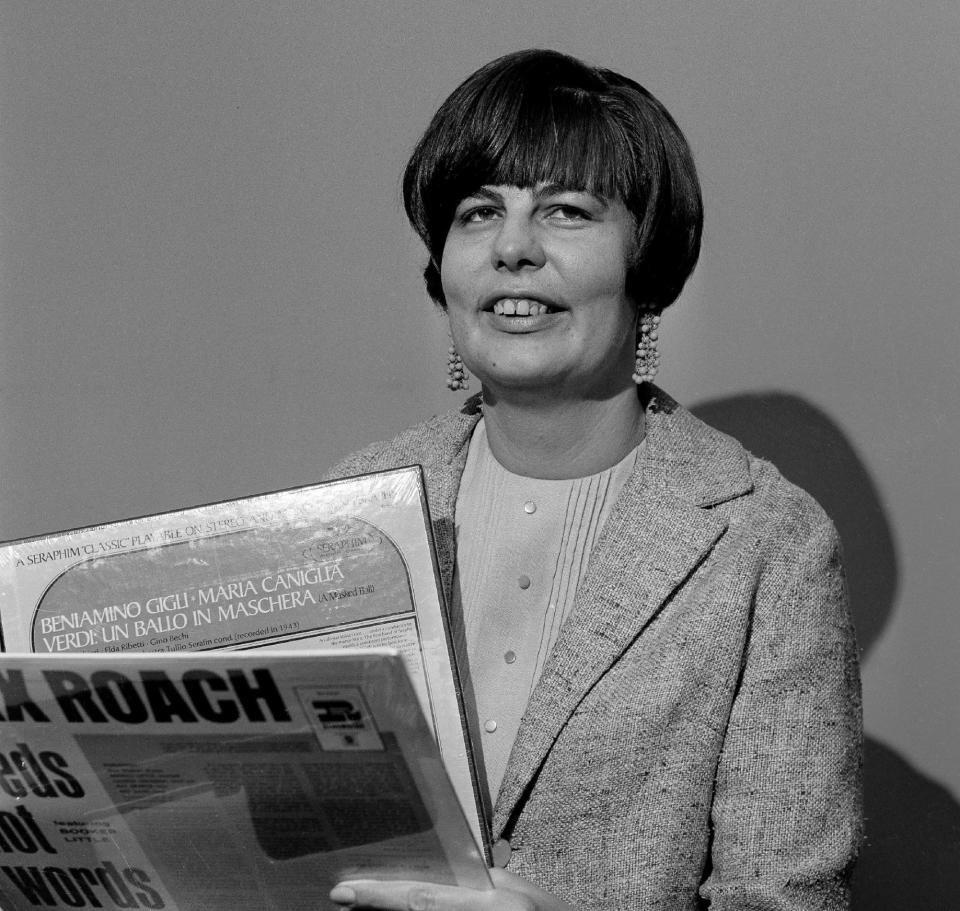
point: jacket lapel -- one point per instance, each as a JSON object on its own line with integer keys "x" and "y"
{"x": 443, "y": 467}
{"x": 657, "y": 534}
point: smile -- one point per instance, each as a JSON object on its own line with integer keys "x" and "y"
{"x": 520, "y": 306}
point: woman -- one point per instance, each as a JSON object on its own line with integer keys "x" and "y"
{"x": 655, "y": 627}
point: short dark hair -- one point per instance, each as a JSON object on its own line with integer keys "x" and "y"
{"x": 539, "y": 115}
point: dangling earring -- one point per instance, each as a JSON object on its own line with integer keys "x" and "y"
{"x": 456, "y": 374}
{"x": 648, "y": 356}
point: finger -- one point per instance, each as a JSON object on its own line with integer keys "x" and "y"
{"x": 399, "y": 895}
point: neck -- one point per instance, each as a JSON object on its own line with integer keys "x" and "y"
{"x": 563, "y": 439}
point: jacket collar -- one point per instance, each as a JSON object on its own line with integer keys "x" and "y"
{"x": 685, "y": 461}
{"x": 689, "y": 459}
{"x": 683, "y": 456}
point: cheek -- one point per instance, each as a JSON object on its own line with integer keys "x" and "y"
{"x": 603, "y": 281}
{"x": 599, "y": 271}
{"x": 452, "y": 287}
{"x": 455, "y": 271}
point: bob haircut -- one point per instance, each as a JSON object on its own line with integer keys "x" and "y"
{"x": 541, "y": 116}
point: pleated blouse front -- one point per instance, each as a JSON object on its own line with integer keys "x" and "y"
{"x": 522, "y": 547}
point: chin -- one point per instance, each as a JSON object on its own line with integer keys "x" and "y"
{"x": 521, "y": 381}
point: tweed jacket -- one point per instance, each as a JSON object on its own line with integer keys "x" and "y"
{"x": 694, "y": 739}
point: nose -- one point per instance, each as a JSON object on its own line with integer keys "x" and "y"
{"x": 517, "y": 245}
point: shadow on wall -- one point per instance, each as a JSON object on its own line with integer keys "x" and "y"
{"x": 912, "y": 855}
{"x": 912, "y": 852}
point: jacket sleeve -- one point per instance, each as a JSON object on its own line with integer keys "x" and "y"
{"x": 359, "y": 462}
{"x": 787, "y": 810}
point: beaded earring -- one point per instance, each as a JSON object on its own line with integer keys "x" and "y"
{"x": 456, "y": 374}
{"x": 648, "y": 355}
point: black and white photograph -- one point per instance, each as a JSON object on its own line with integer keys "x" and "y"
{"x": 660, "y": 304}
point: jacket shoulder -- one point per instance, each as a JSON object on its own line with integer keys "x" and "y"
{"x": 426, "y": 443}
{"x": 711, "y": 469}
{"x": 717, "y": 472}
{"x": 788, "y": 509}
{"x": 784, "y": 527}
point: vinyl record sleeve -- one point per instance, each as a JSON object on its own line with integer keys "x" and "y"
{"x": 344, "y": 564}
{"x": 238, "y": 781}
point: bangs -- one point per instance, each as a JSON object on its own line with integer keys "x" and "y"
{"x": 524, "y": 138}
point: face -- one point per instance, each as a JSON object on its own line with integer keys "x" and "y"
{"x": 535, "y": 285}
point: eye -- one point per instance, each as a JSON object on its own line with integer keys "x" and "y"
{"x": 567, "y": 212}
{"x": 477, "y": 214}
{"x": 572, "y": 207}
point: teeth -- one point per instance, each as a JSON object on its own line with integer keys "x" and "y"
{"x": 517, "y": 306}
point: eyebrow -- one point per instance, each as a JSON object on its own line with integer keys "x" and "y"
{"x": 485, "y": 193}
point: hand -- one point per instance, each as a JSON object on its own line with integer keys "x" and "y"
{"x": 509, "y": 893}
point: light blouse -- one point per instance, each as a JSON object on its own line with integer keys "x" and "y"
{"x": 522, "y": 547}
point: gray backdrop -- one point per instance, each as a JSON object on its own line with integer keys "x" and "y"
{"x": 208, "y": 288}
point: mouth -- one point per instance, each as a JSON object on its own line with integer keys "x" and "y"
{"x": 519, "y": 306}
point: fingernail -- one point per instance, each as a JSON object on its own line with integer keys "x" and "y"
{"x": 343, "y": 895}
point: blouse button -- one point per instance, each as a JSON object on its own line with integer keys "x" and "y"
{"x": 529, "y": 507}
{"x": 490, "y": 725}
{"x": 510, "y": 657}
{"x": 524, "y": 582}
